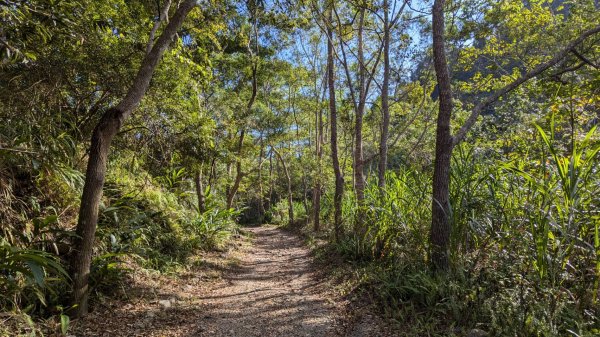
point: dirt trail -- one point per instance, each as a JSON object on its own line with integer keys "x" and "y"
{"x": 272, "y": 290}
{"x": 272, "y": 293}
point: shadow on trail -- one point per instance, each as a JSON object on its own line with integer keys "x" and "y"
{"x": 271, "y": 293}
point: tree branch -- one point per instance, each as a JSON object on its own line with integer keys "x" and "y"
{"x": 462, "y": 132}
{"x": 162, "y": 16}
{"x": 584, "y": 59}
{"x": 142, "y": 80}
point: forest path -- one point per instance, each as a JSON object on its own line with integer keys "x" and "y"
{"x": 270, "y": 286}
{"x": 272, "y": 292}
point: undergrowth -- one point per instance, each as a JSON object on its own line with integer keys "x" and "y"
{"x": 144, "y": 222}
{"x": 543, "y": 284}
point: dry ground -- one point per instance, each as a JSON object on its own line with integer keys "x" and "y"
{"x": 272, "y": 288}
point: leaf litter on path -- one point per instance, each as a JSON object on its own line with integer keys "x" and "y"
{"x": 268, "y": 288}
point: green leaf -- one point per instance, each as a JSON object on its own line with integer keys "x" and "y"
{"x": 37, "y": 272}
{"x": 64, "y": 323}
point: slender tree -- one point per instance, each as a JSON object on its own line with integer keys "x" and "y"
{"x": 106, "y": 129}
{"x": 198, "y": 180}
{"x": 339, "y": 178}
{"x": 261, "y": 204}
{"x": 365, "y": 74}
{"x": 359, "y": 171}
{"x": 319, "y": 141}
{"x": 440, "y": 223}
{"x": 385, "y": 88}
{"x": 239, "y": 174}
{"x": 290, "y": 195}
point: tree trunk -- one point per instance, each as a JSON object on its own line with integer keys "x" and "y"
{"x": 103, "y": 134}
{"x": 270, "y": 199}
{"x": 292, "y": 107}
{"x": 289, "y": 186}
{"x": 385, "y": 87}
{"x": 317, "y": 206}
{"x": 339, "y": 179}
{"x": 365, "y": 76}
{"x": 212, "y": 176}
{"x": 238, "y": 167}
{"x": 440, "y": 218}
{"x": 319, "y": 154}
{"x": 200, "y": 192}
{"x": 162, "y": 16}
{"x": 359, "y": 177}
{"x": 232, "y": 191}
{"x": 261, "y": 205}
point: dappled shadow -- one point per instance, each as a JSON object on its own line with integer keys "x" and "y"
{"x": 272, "y": 291}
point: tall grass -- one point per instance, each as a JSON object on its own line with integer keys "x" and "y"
{"x": 525, "y": 243}
{"x": 398, "y": 215}
{"x": 561, "y": 208}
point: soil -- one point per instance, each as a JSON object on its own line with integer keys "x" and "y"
{"x": 271, "y": 286}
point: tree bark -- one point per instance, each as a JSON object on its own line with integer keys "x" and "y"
{"x": 385, "y": 87}
{"x": 261, "y": 205}
{"x": 200, "y": 192}
{"x": 317, "y": 205}
{"x": 359, "y": 175}
{"x": 270, "y": 199}
{"x": 239, "y": 174}
{"x": 440, "y": 219}
{"x": 289, "y": 186}
{"x": 212, "y": 175}
{"x": 319, "y": 155}
{"x": 103, "y": 134}
{"x": 163, "y": 15}
{"x": 339, "y": 179}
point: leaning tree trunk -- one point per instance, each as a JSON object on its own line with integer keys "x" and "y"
{"x": 339, "y": 179}
{"x": 103, "y": 134}
{"x": 239, "y": 174}
{"x": 440, "y": 218}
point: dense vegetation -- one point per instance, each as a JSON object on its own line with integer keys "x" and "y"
{"x": 446, "y": 150}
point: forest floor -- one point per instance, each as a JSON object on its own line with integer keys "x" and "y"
{"x": 269, "y": 286}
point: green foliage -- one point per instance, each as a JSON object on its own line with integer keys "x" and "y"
{"x": 397, "y": 215}
{"x": 396, "y": 218}
{"x": 561, "y": 211}
{"x": 524, "y": 239}
{"x": 524, "y": 202}
{"x": 28, "y": 276}
{"x": 156, "y": 223}
{"x": 279, "y": 214}
{"x": 213, "y": 228}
